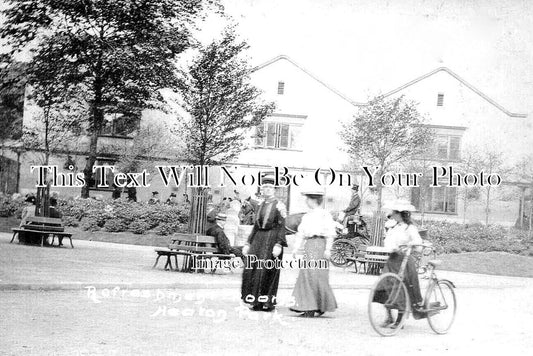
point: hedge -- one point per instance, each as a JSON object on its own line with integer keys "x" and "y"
{"x": 122, "y": 215}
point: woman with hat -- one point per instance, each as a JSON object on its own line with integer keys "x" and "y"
{"x": 266, "y": 242}
{"x": 312, "y": 292}
{"x": 402, "y": 232}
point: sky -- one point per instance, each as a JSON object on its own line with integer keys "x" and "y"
{"x": 366, "y": 47}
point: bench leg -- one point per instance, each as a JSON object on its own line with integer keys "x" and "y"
{"x": 13, "y": 238}
{"x": 70, "y": 238}
{"x": 156, "y": 261}
{"x": 167, "y": 264}
{"x": 53, "y": 238}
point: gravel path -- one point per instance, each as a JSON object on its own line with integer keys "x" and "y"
{"x": 170, "y": 322}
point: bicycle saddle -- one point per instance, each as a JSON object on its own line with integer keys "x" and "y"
{"x": 434, "y": 263}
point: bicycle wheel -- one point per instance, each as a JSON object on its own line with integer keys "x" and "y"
{"x": 387, "y": 303}
{"x": 441, "y": 305}
{"x": 340, "y": 251}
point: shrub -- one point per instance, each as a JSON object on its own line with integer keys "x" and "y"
{"x": 11, "y": 206}
{"x": 115, "y": 225}
{"x": 139, "y": 227}
{"x": 89, "y": 224}
{"x": 123, "y": 215}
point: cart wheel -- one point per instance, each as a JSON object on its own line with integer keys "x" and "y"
{"x": 441, "y": 305}
{"x": 340, "y": 251}
{"x": 388, "y": 298}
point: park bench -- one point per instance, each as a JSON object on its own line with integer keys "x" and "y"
{"x": 45, "y": 227}
{"x": 191, "y": 248}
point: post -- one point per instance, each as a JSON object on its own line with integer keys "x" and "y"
{"x": 197, "y": 216}
{"x": 378, "y": 222}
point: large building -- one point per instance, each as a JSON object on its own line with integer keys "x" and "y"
{"x": 302, "y": 134}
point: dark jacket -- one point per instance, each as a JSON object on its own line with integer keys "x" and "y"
{"x": 222, "y": 240}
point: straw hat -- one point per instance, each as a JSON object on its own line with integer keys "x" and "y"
{"x": 221, "y": 216}
{"x": 399, "y": 205}
{"x": 313, "y": 192}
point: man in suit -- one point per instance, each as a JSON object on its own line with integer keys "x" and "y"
{"x": 217, "y": 231}
{"x": 352, "y": 211}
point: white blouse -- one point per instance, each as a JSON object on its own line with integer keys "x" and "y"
{"x": 402, "y": 234}
{"x": 317, "y": 222}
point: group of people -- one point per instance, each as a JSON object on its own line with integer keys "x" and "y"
{"x": 312, "y": 293}
{"x": 171, "y": 200}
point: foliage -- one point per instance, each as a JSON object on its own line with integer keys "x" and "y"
{"x": 123, "y": 215}
{"x": 455, "y": 238}
{"x": 12, "y": 83}
{"x": 385, "y": 132}
{"x": 221, "y": 101}
{"x": 118, "y": 53}
{"x": 10, "y": 206}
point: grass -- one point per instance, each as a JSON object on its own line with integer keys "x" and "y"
{"x": 493, "y": 263}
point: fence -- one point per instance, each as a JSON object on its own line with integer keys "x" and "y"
{"x": 197, "y": 217}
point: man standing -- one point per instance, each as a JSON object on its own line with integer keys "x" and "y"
{"x": 217, "y": 231}
{"x": 352, "y": 211}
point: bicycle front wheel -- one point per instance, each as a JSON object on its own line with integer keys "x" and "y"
{"x": 440, "y": 304}
{"x": 388, "y": 305}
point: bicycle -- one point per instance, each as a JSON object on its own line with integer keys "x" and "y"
{"x": 389, "y": 297}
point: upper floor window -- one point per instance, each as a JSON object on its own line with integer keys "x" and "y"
{"x": 277, "y": 135}
{"x": 440, "y": 99}
{"x": 120, "y": 125}
{"x": 281, "y": 88}
{"x": 448, "y": 147}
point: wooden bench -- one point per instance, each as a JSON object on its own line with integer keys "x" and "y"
{"x": 45, "y": 227}
{"x": 191, "y": 248}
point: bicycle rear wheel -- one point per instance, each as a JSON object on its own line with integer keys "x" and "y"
{"x": 441, "y": 304}
{"x": 387, "y": 303}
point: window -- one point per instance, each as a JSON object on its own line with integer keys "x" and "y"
{"x": 437, "y": 199}
{"x": 277, "y": 135}
{"x": 119, "y": 125}
{"x": 95, "y": 179}
{"x": 448, "y": 147}
{"x": 281, "y": 88}
{"x": 440, "y": 99}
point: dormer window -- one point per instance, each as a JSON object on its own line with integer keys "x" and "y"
{"x": 281, "y": 88}
{"x": 440, "y": 99}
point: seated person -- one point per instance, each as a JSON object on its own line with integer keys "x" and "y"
{"x": 55, "y": 213}
{"x": 217, "y": 231}
{"x": 27, "y": 212}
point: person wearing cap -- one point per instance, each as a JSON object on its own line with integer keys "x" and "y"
{"x": 404, "y": 232}
{"x": 265, "y": 243}
{"x": 312, "y": 292}
{"x": 352, "y": 210}
{"x": 217, "y": 231}
{"x": 154, "y": 199}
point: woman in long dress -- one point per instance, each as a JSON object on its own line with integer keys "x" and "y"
{"x": 402, "y": 233}
{"x": 312, "y": 292}
{"x": 265, "y": 244}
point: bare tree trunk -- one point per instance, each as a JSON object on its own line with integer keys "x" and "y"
{"x": 97, "y": 121}
{"x": 487, "y": 207}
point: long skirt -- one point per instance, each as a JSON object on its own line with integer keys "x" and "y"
{"x": 385, "y": 290}
{"x": 259, "y": 284}
{"x": 312, "y": 291}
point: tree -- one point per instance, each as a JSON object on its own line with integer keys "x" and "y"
{"x": 12, "y": 85}
{"x": 221, "y": 102}
{"x": 118, "y": 52}
{"x": 385, "y": 132}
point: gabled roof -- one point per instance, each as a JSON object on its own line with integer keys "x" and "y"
{"x": 462, "y": 81}
{"x": 398, "y": 89}
{"x": 288, "y": 59}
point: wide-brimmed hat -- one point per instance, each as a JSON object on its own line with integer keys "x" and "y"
{"x": 221, "y": 216}
{"x": 399, "y": 205}
{"x": 313, "y": 192}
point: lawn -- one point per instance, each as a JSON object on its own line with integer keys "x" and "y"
{"x": 494, "y": 263}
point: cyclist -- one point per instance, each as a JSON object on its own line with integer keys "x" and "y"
{"x": 403, "y": 232}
